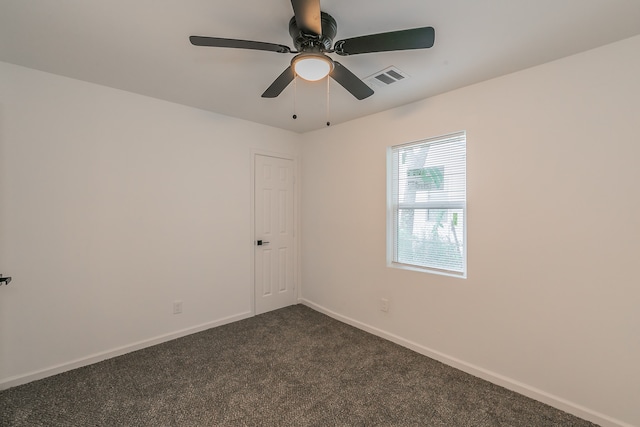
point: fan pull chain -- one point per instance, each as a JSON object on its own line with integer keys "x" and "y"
{"x": 328, "y": 82}
{"x": 295, "y": 94}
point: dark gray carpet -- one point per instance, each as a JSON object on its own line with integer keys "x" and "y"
{"x": 290, "y": 367}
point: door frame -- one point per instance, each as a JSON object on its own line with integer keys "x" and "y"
{"x": 296, "y": 222}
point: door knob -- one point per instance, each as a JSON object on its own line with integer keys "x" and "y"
{"x": 261, "y": 242}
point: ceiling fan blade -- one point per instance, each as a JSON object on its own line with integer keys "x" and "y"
{"x": 350, "y": 81}
{"x": 416, "y": 38}
{"x": 280, "y": 83}
{"x": 238, "y": 44}
{"x": 307, "y": 13}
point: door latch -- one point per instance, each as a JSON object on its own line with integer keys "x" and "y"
{"x": 261, "y": 242}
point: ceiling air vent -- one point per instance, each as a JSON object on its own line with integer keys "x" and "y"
{"x": 386, "y": 77}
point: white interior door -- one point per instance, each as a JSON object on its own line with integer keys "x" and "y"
{"x": 274, "y": 227}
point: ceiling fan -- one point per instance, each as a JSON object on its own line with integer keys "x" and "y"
{"x": 313, "y": 32}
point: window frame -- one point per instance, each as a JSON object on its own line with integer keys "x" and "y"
{"x": 393, "y": 207}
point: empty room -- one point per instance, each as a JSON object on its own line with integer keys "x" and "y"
{"x": 302, "y": 212}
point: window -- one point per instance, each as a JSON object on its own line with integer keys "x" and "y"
{"x": 427, "y": 205}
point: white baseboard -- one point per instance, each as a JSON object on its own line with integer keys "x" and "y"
{"x": 501, "y": 380}
{"x": 119, "y": 351}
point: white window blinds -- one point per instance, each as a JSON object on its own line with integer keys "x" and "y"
{"x": 428, "y": 204}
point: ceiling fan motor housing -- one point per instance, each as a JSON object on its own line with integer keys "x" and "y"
{"x": 314, "y": 42}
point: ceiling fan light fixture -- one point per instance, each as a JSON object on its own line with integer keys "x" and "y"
{"x": 312, "y": 67}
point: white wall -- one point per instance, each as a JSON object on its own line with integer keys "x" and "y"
{"x": 112, "y": 206}
{"x": 551, "y": 306}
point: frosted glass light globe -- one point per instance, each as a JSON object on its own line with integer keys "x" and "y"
{"x": 313, "y": 68}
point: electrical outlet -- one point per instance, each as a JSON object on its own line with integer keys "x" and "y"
{"x": 384, "y": 304}
{"x": 177, "y": 307}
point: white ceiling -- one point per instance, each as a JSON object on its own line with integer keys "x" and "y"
{"x": 142, "y": 46}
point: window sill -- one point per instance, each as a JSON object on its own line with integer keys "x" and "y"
{"x": 410, "y": 267}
